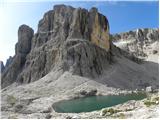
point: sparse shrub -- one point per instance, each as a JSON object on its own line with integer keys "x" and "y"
{"x": 149, "y": 103}
{"x": 128, "y": 109}
{"x": 156, "y": 99}
{"x": 116, "y": 111}
{"x": 11, "y": 100}
{"x": 109, "y": 111}
{"x": 104, "y": 111}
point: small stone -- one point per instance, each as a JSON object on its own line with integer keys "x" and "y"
{"x": 83, "y": 92}
{"x": 18, "y": 107}
{"x": 92, "y": 92}
{"x": 48, "y": 116}
{"x": 155, "y": 51}
{"x": 76, "y": 117}
{"x": 149, "y": 89}
{"x": 68, "y": 117}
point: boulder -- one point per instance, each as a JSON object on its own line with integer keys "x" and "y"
{"x": 149, "y": 89}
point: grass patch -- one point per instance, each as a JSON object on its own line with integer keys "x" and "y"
{"x": 152, "y": 101}
{"x": 149, "y": 103}
{"x": 109, "y": 111}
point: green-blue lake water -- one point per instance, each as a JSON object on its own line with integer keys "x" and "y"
{"x": 88, "y": 104}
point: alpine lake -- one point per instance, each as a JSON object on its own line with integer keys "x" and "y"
{"x": 92, "y": 103}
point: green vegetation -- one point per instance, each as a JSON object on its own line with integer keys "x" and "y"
{"x": 152, "y": 101}
{"x": 128, "y": 110}
{"x": 155, "y": 98}
{"x": 109, "y": 111}
{"x": 11, "y": 100}
{"x": 149, "y": 103}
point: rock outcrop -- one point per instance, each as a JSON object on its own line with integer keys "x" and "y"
{"x": 9, "y": 61}
{"x": 1, "y": 66}
{"x": 139, "y": 42}
{"x": 68, "y": 39}
{"x": 25, "y": 34}
{"x": 15, "y": 65}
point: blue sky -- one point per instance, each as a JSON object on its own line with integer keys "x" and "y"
{"x": 122, "y": 16}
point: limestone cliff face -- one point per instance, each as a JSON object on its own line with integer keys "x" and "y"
{"x": 68, "y": 38}
{"x": 66, "y": 22}
{"x": 100, "y": 30}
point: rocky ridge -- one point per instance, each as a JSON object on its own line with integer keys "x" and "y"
{"x": 141, "y": 42}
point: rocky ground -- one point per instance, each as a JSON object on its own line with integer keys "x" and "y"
{"x": 41, "y": 108}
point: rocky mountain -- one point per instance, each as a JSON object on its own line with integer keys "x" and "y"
{"x": 141, "y": 42}
{"x": 72, "y": 53}
{"x": 68, "y": 39}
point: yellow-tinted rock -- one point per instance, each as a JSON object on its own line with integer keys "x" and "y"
{"x": 100, "y": 36}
